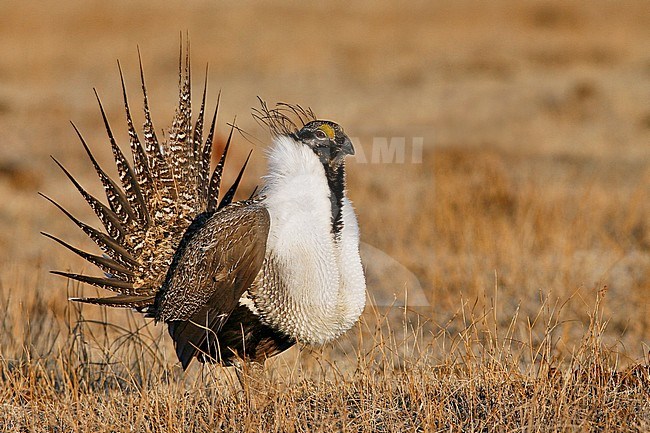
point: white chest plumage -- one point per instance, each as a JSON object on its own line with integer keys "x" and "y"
{"x": 312, "y": 286}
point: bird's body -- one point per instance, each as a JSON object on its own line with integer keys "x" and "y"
{"x": 320, "y": 290}
{"x": 231, "y": 279}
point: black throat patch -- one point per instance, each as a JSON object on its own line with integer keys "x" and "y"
{"x": 336, "y": 182}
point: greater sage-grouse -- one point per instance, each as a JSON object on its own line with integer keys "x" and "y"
{"x": 232, "y": 280}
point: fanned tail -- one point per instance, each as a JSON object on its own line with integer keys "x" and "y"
{"x": 154, "y": 200}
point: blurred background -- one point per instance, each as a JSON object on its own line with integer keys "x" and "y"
{"x": 534, "y": 117}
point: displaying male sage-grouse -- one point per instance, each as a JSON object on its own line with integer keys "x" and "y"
{"x": 232, "y": 280}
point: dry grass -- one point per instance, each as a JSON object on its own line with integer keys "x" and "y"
{"x": 526, "y": 226}
{"x": 85, "y": 375}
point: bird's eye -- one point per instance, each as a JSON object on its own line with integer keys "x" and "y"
{"x": 320, "y": 135}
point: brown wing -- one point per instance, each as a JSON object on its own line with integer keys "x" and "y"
{"x": 216, "y": 263}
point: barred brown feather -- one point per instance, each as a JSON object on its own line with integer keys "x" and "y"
{"x": 155, "y": 200}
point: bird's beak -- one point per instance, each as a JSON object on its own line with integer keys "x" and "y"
{"x": 347, "y": 148}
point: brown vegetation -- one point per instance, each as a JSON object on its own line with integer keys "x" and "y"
{"x": 525, "y": 228}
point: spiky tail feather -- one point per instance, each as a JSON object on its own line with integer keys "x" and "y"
{"x": 157, "y": 197}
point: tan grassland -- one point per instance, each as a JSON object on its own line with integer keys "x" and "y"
{"x": 508, "y": 268}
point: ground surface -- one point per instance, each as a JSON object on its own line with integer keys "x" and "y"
{"x": 522, "y": 234}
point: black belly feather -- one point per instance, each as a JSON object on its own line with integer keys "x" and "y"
{"x": 241, "y": 336}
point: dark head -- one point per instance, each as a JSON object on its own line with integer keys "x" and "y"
{"x": 327, "y": 140}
